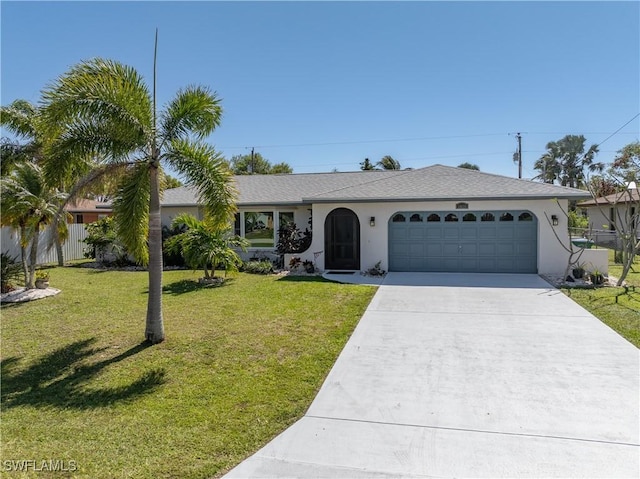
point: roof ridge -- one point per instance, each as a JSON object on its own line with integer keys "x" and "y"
{"x": 398, "y": 173}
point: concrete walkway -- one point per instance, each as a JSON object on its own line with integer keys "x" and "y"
{"x": 482, "y": 375}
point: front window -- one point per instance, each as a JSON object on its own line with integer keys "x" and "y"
{"x": 236, "y": 224}
{"x": 284, "y": 218}
{"x": 259, "y": 229}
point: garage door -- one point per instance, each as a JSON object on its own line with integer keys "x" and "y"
{"x": 464, "y": 241}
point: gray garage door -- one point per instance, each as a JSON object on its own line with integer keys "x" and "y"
{"x": 464, "y": 241}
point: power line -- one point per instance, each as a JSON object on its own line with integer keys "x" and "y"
{"x": 355, "y": 142}
{"x": 615, "y": 132}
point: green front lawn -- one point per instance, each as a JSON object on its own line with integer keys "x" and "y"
{"x": 619, "y": 308}
{"x": 240, "y": 364}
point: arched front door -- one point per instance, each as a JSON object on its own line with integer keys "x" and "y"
{"x": 342, "y": 240}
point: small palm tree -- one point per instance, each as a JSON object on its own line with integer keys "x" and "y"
{"x": 26, "y": 122}
{"x": 29, "y": 204}
{"x": 389, "y": 163}
{"x": 105, "y": 110}
{"x": 205, "y": 244}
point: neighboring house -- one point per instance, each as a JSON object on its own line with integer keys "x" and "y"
{"x": 606, "y": 212}
{"x": 437, "y": 218}
{"x": 87, "y": 211}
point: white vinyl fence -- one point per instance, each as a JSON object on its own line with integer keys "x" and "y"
{"x": 72, "y": 248}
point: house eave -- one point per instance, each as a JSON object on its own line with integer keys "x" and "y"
{"x": 443, "y": 198}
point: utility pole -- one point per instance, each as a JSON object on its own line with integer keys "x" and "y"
{"x": 519, "y": 137}
{"x": 252, "y": 167}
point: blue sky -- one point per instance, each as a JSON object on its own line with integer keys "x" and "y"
{"x": 322, "y": 85}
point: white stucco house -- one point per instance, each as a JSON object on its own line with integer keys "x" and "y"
{"x": 608, "y": 214}
{"x": 437, "y": 218}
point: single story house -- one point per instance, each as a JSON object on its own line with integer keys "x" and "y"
{"x": 437, "y": 218}
{"x": 609, "y": 213}
{"x": 83, "y": 210}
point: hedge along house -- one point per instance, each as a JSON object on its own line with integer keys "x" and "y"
{"x": 438, "y": 218}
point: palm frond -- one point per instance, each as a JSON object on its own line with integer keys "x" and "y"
{"x": 18, "y": 118}
{"x": 208, "y": 173}
{"x": 195, "y": 110}
{"x": 131, "y": 212}
{"x": 100, "y": 91}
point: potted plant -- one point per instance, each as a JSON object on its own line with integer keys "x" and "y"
{"x": 294, "y": 263}
{"x": 596, "y": 277}
{"x": 578, "y": 271}
{"x": 42, "y": 280}
{"x": 308, "y": 266}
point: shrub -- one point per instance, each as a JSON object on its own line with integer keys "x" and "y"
{"x": 102, "y": 241}
{"x": 292, "y": 240}
{"x": 11, "y": 272}
{"x": 172, "y": 254}
{"x": 257, "y": 267}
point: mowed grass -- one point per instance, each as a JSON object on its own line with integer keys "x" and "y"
{"x": 619, "y": 308}
{"x": 240, "y": 363}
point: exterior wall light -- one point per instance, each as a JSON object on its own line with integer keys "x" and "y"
{"x": 554, "y": 220}
{"x": 372, "y": 221}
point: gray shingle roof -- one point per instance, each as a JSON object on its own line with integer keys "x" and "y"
{"x": 435, "y": 182}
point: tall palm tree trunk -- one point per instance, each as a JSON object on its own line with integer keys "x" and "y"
{"x": 58, "y": 243}
{"x": 154, "y": 332}
{"x": 23, "y": 254}
{"x": 33, "y": 258}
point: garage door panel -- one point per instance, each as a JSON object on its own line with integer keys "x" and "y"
{"x": 398, "y": 233}
{"x": 505, "y": 249}
{"x": 487, "y": 249}
{"x": 487, "y": 232}
{"x": 417, "y": 249}
{"x": 525, "y": 232}
{"x": 468, "y": 232}
{"x": 434, "y": 264}
{"x": 525, "y": 249}
{"x": 450, "y": 249}
{"x": 488, "y": 265}
{"x": 399, "y": 249}
{"x": 416, "y": 233}
{"x": 505, "y": 232}
{"x": 450, "y": 264}
{"x": 433, "y": 232}
{"x": 465, "y": 246}
{"x": 505, "y": 265}
{"x": 469, "y": 250}
{"x": 450, "y": 233}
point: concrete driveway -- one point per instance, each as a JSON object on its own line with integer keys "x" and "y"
{"x": 482, "y": 375}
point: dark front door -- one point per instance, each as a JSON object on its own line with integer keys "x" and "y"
{"x": 342, "y": 240}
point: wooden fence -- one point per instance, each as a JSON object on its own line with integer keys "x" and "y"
{"x": 72, "y": 247}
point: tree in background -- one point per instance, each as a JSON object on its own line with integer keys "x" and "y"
{"x": 29, "y": 204}
{"x": 366, "y": 165}
{"x": 27, "y": 123}
{"x": 469, "y": 166}
{"x": 256, "y": 164}
{"x": 616, "y": 195}
{"x": 626, "y": 165}
{"x": 171, "y": 182}
{"x": 567, "y": 162}
{"x": 388, "y": 163}
{"x": 108, "y": 112}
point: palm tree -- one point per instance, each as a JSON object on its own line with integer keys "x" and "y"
{"x": 469, "y": 166}
{"x": 388, "y": 163}
{"x": 567, "y": 161}
{"x": 107, "y": 111}
{"x": 366, "y": 165}
{"x": 29, "y": 204}
{"x": 26, "y": 122}
{"x": 205, "y": 244}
